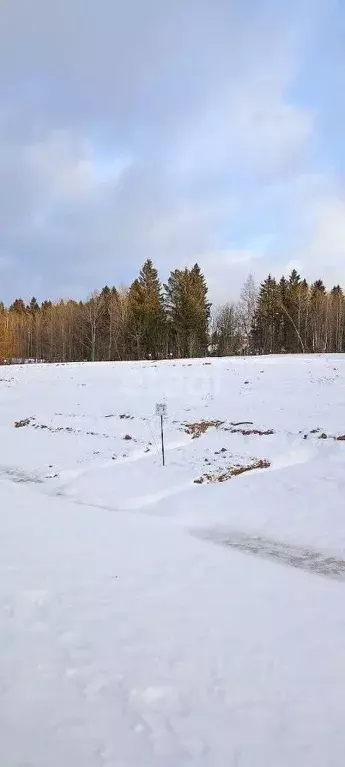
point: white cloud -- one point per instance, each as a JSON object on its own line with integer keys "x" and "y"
{"x": 62, "y": 167}
{"x": 163, "y": 130}
{"x": 65, "y": 165}
{"x": 245, "y": 131}
{"x": 323, "y": 253}
{"x": 291, "y": 265}
{"x": 227, "y": 270}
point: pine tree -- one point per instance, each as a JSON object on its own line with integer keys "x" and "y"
{"x": 266, "y": 332}
{"x": 290, "y": 306}
{"x": 33, "y": 305}
{"x": 146, "y": 313}
{"x": 18, "y": 306}
{"x": 188, "y": 312}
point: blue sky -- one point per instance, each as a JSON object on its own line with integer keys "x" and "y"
{"x": 208, "y": 130}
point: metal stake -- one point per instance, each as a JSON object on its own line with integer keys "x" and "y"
{"x": 162, "y": 435}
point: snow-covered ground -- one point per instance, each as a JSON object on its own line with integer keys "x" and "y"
{"x": 179, "y": 616}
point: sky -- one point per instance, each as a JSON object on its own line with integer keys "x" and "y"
{"x": 176, "y": 130}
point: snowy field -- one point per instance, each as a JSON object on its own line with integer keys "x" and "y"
{"x": 191, "y": 615}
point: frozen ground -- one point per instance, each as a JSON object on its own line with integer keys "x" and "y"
{"x": 148, "y": 619}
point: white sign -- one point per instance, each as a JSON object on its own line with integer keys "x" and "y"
{"x": 161, "y": 409}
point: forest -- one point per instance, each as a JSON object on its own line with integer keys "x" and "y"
{"x": 152, "y": 320}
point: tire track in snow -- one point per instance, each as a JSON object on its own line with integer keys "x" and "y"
{"x": 310, "y": 560}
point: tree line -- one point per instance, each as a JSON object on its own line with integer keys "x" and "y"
{"x": 285, "y": 316}
{"x": 152, "y": 320}
{"x": 146, "y": 320}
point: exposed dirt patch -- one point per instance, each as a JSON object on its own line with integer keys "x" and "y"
{"x": 122, "y": 416}
{"x": 261, "y": 464}
{"x": 69, "y": 430}
{"x": 323, "y": 435}
{"x": 45, "y": 427}
{"x": 22, "y": 423}
{"x": 195, "y": 430}
{"x": 248, "y": 432}
{"x": 231, "y": 471}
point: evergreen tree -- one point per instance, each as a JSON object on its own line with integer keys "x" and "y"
{"x": 146, "y": 313}
{"x": 290, "y": 305}
{"x": 188, "y": 312}
{"x": 266, "y": 325}
{"x": 18, "y": 306}
{"x": 282, "y": 321}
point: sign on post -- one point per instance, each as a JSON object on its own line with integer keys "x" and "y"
{"x": 161, "y": 411}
